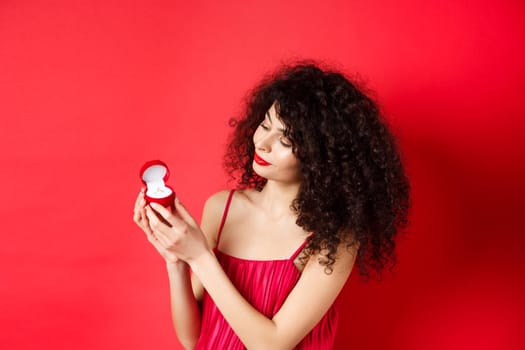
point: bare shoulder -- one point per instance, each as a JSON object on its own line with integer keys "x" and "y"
{"x": 214, "y": 210}
{"x": 241, "y": 198}
{"x": 212, "y": 214}
{"x": 245, "y": 197}
{"x": 344, "y": 261}
{"x": 297, "y": 320}
{"x": 217, "y": 201}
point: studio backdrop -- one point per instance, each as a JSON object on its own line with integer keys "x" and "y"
{"x": 90, "y": 90}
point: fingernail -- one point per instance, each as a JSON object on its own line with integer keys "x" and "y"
{"x": 154, "y": 205}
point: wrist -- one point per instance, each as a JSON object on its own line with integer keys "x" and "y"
{"x": 199, "y": 263}
{"x": 176, "y": 266}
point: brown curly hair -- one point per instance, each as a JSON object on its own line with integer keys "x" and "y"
{"x": 354, "y": 189}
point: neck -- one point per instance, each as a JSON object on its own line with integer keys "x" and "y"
{"x": 277, "y": 198}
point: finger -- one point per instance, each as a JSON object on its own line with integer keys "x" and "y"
{"x": 144, "y": 224}
{"x": 159, "y": 228}
{"x": 140, "y": 209}
{"x": 184, "y": 214}
{"x": 136, "y": 216}
{"x": 159, "y": 241}
{"x": 136, "y": 202}
{"x": 136, "y": 207}
{"x": 154, "y": 240}
{"x": 140, "y": 198}
{"x": 145, "y": 221}
{"x": 164, "y": 213}
{"x": 140, "y": 202}
{"x": 152, "y": 234}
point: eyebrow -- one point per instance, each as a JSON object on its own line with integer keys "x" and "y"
{"x": 268, "y": 115}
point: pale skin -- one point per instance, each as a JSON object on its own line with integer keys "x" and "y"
{"x": 259, "y": 226}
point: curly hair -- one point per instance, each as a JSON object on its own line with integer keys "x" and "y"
{"x": 353, "y": 189}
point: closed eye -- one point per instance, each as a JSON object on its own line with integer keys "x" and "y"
{"x": 264, "y": 126}
{"x": 285, "y": 142}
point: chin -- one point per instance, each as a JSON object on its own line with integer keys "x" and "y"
{"x": 259, "y": 172}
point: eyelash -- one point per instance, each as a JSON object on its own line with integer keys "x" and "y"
{"x": 266, "y": 128}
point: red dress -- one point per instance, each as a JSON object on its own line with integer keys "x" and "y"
{"x": 265, "y": 284}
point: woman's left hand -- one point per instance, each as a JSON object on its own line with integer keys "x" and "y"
{"x": 182, "y": 236}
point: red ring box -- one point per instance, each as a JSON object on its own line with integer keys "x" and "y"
{"x": 154, "y": 175}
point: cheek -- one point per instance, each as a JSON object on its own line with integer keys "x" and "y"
{"x": 290, "y": 161}
{"x": 256, "y": 135}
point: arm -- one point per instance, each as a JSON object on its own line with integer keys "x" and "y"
{"x": 210, "y": 222}
{"x": 304, "y": 307}
{"x": 185, "y": 311}
{"x": 185, "y": 290}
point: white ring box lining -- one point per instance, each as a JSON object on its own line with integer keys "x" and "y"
{"x": 154, "y": 179}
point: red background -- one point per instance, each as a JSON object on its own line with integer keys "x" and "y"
{"x": 89, "y": 90}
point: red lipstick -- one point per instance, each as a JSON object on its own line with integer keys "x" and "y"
{"x": 259, "y": 160}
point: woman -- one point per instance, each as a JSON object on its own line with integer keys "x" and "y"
{"x": 321, "y": 187}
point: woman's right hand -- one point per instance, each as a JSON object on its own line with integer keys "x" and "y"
{"x": 141, "y": 219}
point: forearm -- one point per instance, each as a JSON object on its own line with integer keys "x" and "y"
{"x": 253, "y": 328}
{"x": 184, "y": 308}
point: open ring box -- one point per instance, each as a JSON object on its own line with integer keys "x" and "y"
{"x": 154, "y": 175}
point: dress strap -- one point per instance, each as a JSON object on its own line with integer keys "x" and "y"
{"x": 224, "y": 215}
{"x": 300, "y": 249}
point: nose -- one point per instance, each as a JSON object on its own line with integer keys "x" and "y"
{"x": 263, "y": 144}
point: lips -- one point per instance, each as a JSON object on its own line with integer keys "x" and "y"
{"x": 260, "y": 161}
